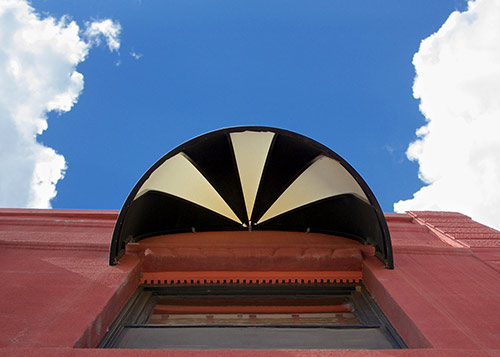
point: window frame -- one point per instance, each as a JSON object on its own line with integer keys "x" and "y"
{"x": 140, "y": 306}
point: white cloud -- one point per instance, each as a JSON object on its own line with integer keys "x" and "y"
{"x": 38, "y": 59}
{"x": 458, "y": 84}
{"x": 105, "y": 28}
{"x": 136, "y": 55}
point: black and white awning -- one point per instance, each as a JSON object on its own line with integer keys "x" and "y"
{"x": 252, "y": 178}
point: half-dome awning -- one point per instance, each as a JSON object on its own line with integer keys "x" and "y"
{"x": 252, "y": 178}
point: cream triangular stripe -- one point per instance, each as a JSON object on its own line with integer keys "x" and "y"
{"x": 179, "y": 177}
{"x": 250, "y": 150}
{"x": 325, "y": 178}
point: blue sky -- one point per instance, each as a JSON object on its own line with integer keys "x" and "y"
{"x": 339, "y": 72}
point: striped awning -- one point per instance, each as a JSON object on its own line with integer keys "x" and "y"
{"x": 252, "y": 178}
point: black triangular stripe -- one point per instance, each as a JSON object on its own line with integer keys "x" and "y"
{"x": 287, "y": 159}
{"x": 156, "y": 213}
{"x": 345, "y": 215}
{"x": 214, "y": 158}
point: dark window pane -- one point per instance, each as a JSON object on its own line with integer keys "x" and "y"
{"x": 253, "y": 338}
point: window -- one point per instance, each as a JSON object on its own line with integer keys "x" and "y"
{"x": 265, "y": 316}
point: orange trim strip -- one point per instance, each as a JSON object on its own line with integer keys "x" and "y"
{"x": 245, "y": 277}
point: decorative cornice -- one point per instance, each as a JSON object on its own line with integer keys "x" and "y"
{"x": 245, "y": 277}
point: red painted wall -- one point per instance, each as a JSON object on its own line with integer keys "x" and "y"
{"x": 58, "y": 291}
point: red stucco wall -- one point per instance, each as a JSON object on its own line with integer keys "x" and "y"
{"x": 58, "y": 291}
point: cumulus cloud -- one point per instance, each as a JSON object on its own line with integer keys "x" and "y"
{"x": 458, "y": 84}
{"x": 38, "y": 60}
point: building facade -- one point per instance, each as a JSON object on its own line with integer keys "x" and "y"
{"x": 248, "y": 247}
